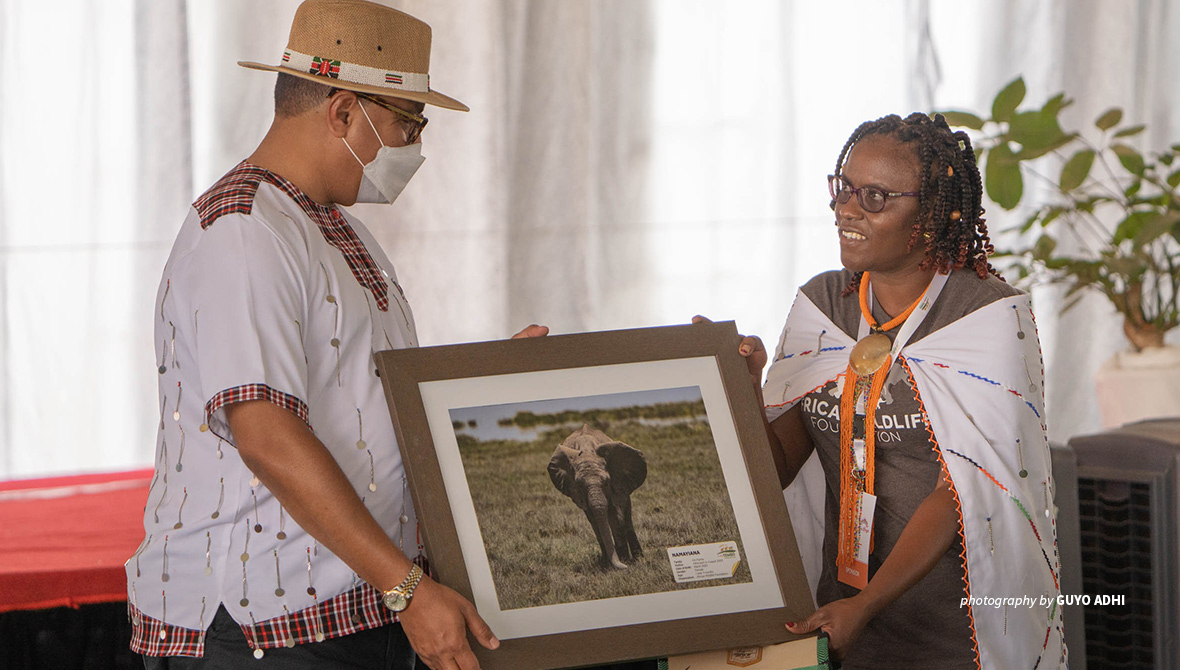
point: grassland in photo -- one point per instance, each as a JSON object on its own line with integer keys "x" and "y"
{"x": 540, "y": 546}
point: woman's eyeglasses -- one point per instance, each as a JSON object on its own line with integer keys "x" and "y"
{"x": 871, "y": 198}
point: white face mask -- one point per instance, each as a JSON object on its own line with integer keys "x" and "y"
{"x": 390, "y": 170}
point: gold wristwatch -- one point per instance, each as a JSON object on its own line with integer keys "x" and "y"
{"x": 397, "y": 599}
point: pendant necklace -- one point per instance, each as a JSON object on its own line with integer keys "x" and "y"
{"x": 872, "y": 351}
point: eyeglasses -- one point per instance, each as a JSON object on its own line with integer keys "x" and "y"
{"x": 871, "y": 198}
{"x": 419, "y": 122}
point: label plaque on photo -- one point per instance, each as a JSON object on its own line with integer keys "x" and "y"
{"x": 696, "y": 563}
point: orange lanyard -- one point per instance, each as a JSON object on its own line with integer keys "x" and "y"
{"x": 868, "y": 313}
{"x": 859, "y": 477}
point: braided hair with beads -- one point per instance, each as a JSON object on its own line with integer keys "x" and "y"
{"x": 950, "y": 212}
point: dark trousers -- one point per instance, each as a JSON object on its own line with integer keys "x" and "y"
{"x": 226, "y": 648}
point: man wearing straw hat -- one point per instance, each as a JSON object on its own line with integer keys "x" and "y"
{"x": 279, "y": 524}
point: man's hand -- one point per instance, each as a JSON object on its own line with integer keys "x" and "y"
{"x": 842, "y": 620}
{"x": 751, "y": 349}
{"x": 532, "y": 331}
{"x": 436, "y": 623}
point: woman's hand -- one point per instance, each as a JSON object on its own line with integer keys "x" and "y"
{"x": 532, "y": 330}
{"x": 927, "y": 536}
{"x": 842, "y": 620}
{"x": 790, "y": 445}
{"x": 751, "y": 349}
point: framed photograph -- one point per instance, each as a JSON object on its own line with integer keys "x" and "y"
{"x": 600, "y": 497}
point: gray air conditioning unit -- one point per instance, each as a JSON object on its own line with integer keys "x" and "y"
{"x": 1128, "y": 484}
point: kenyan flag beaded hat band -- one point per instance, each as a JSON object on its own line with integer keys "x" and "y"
{"x": 361, "y": 46}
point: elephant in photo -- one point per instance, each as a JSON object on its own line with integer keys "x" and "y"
{"x": 599, "y": 474}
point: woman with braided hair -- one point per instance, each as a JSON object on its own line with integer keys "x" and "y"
{"x": 914, "y": 376}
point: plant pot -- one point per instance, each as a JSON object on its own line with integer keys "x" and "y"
{"x": 1134, "y": 385}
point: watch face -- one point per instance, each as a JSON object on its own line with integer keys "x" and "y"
{"x": 396, "y": 601}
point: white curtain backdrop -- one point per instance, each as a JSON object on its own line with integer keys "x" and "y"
{"x": 627, "y": 163}
{"x": 93, "y": 180}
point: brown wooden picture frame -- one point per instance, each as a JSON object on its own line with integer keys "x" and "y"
{"x": 558, "y": 364}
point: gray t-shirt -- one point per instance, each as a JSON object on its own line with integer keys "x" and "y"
{"x": 925, "y": 627}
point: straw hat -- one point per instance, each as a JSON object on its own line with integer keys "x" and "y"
{"x": 361, "y": 46}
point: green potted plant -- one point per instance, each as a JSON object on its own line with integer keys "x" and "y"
{"x": 1107, "y": 219}
{"x": 1102, "y": 217}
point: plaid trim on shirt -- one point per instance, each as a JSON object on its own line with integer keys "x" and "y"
{"x": 152, "y": 637}
{"x": 234, "y": 194}
{"x": 350, "y": 612}
{"x": 256, "y": 392}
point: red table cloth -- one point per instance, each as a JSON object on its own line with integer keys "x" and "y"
{"x": 63, "y": 540}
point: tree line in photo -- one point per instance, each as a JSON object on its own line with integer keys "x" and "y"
{"x": 599, "y": 417}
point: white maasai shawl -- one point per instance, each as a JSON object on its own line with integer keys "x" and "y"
{"x": 980, "y": 388}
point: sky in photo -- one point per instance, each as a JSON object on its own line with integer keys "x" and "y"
{"x": 488, "y": 417}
